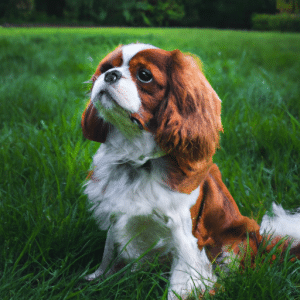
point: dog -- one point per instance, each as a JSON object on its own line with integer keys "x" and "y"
{"x": 153, "y": 183}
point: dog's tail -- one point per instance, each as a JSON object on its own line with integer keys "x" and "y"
{"x": 281, "y": 231}
{"x": 282, "y": 223}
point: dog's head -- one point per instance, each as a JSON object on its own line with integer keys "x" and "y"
{"x": 139, "y": 87}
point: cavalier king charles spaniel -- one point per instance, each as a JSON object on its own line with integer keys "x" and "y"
{"x": 154, "y": 184}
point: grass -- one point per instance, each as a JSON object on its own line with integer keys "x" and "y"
{"x": 48, "y": 240}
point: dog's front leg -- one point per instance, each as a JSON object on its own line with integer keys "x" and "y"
{"x": 108, "y": 256}
{"x": 190, "y": 268}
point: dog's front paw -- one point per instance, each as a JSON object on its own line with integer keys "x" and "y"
{"x": 94, "y": 275}
{"x": 184, "y": 289}
{"x": 185, "y": 279}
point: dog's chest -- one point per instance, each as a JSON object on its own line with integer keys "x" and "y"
{"x": 136, "y": 203}
{"x": 119, "y": 188}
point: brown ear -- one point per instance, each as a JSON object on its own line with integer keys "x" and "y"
{"x": 189, "y": 118}
{"x": 93, "y": 126}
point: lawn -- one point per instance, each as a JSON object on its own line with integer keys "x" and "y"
{"x": 48, "y": 239}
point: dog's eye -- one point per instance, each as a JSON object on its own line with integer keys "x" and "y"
{"x": 144, "y": 76}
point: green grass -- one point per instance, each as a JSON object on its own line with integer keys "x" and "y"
{"x": 48, "y": 240}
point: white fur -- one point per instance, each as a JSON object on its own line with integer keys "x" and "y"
{"x": 129, "y": 51}
{"x": 141, "y": 211}
{"x": 283, "y": 224}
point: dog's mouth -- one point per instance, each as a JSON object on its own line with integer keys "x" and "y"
{"x": 113, "y": 113}
{"x": 106, "y": 99}
{"x": 137, "y": 122}
{"x": 113, "y": 102}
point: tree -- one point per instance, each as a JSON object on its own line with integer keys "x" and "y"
{"x": 17, "y": 9}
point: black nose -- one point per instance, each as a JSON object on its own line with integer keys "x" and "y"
{"x": 112, "y": 76}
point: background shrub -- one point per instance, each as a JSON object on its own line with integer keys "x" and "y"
{"x": 279, "y": 22}
{"x": 157, "y": 13}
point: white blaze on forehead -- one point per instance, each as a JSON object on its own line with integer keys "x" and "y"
{"x": 129, "y": 51}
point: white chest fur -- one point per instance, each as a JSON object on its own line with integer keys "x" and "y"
{"x": 140, "y": 211}
{"x": 132, "y": 198}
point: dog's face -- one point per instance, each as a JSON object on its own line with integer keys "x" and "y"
{"x": 140, "y": 87}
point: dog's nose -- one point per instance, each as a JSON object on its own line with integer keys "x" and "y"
{"x": 112, "y": 76}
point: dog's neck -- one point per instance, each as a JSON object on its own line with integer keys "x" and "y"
{"x": 137, "y": 150}
{"x": 142, "y": 152}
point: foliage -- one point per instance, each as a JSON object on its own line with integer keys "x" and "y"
{"x": 153, "y": 12}
{"x": 225, "y": 13}
{"x": 191, "y": 13}
{"x": 291, "y": 6}
{"x": 48, "y": 239}
{"x": 16, "y": 8}
{"x": 131, "y": 12}
{"x": 279, "y": 22}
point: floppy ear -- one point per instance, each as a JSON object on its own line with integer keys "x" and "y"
{"x": 93, "y": 126}
{"x": 189, "y": 118}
